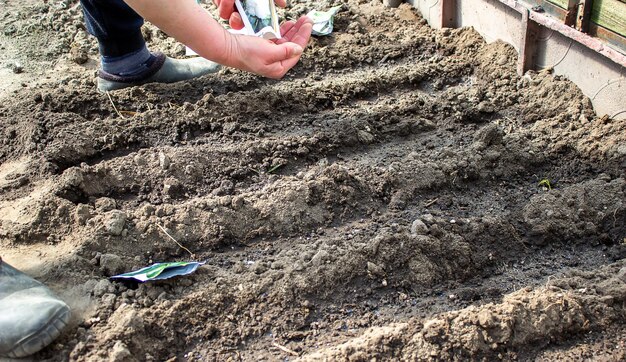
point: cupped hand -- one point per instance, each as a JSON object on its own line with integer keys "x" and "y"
{"x": 227, "y": 11}
{"x": 273, "y": 59}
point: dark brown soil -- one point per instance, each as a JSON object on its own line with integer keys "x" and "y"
{"x": 401, "y": 195}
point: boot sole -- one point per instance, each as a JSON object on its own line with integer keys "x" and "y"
{"x": 38, "y": 340}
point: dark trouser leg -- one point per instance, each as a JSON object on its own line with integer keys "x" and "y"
{"x": 116, "y": 26}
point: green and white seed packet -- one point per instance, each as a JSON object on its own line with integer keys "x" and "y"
{"x": 259, "y": 18}
{"x": 323, "y": 20}
{"x": 161, "y": 271}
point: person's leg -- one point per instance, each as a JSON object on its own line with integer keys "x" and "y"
{"x": 116, "y": 26}
{"x": 31, "y": 317}
{"x": 125, "y": 60}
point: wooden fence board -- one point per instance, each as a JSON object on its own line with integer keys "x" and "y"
{"x": 610, "y": 14}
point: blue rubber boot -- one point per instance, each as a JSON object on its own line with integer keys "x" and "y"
{"x": 162, "y": 70}
{"x": 31, "y": 317}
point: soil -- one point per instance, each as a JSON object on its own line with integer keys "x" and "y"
{"x": 401, "y": 195}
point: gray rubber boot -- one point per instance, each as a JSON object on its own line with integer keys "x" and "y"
{"x": 31, "y": 317}
{"x": 163, "y": 70}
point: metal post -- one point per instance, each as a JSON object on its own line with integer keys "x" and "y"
{"x": 528, "y": 43}
{"x": 448, "y": 13}
{"x": 584, "y": 15}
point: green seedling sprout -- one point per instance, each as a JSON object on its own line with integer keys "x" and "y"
{"x": 275, "y": 167}
{"x": 545, "y": 182}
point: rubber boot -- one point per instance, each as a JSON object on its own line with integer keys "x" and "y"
{"x": 163, "y": 70}
{"x": 31, "y": 317}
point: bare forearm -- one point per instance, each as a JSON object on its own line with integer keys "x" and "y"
{"x": 191, "y": 25}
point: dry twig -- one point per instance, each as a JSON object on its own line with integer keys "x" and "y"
{"x": 285, "y": 349}
{"x": 114, "y": 107}
{"x": 177, "y": 243}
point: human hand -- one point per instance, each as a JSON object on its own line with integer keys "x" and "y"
{"x": 271, "y": 58}
{"x": 227, "y": 11}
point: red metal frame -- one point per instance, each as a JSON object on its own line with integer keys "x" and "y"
{"x": 590, "y": 42}
{"x": 582, "y": 38}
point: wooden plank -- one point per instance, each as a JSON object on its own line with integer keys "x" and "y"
{"x": 610, "y": 14}
{"x": 615, "y": 40}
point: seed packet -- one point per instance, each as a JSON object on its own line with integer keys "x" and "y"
{"x": 259, "y": 18}
{"x": 160, "y": 271}
{"x": 323, "y": 20}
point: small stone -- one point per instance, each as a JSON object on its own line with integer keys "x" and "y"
{"x": 230, "y": 127}
{"x": 120, "y": 353}
{"x": 164, "y": 161}
{"x": 114, "y": 222}
{"x": 365, "y": 137}
{"x": 485, "y": 107}
{"x": 111, "y": 264}
{"x": 139, "y": 160}
{"x": 502, "y": 60}
{"x": 298, "y": 265}
{"x": 102, "y": 287}
{"x": 10, "y": 29}
{"x": 302, "y": 151}
{"x": 16, "y": 67}
{"x": 105, "y": 204}
{"x": 191, "y": 170}
{"x": 621, "y": 275}
{"x": 489, "y": 135}
{"x": 225, "y": 201}
{"x": 108, "y": 300}
{"x": 147, "y": 210}
{"x": 375, "y": 270}
{"x": 419, "y": 228}
{"x": 238, "y": 202}
{"x": 78, "y": 55}
{"x": 259, "y": 268}
{"x": 89, "y": 286}
{"x": 226, "y": 187}
{"x": 320, "y": 257}
{"x": 82, "y": 213}
{"x": 172, "y": 187}
{"x": 485, "y": 318}
{"x": 429, "y": 219}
